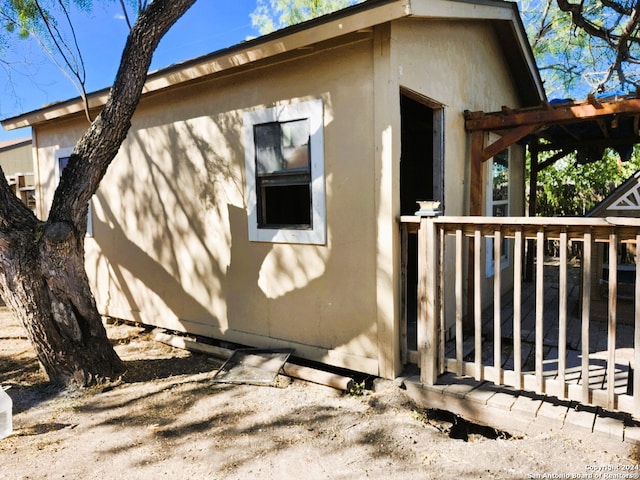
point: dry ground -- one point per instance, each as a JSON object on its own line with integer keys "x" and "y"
{"x": 168, "y": 420}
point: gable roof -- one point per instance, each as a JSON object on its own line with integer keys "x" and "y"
{"x": 354, "y": 21}
{"x": 624, "y": 201}
{"x": 14, "y": 143}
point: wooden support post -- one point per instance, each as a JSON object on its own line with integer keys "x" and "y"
{"x": 475, "y": 208}
{"x": 428, "y": 340}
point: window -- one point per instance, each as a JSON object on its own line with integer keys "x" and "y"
{"x": 498, "y": 203}
{"x": 62, "y": 159}
{"x": 284, "y": 161}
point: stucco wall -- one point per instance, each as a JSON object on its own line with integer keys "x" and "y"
{"x": 461, "y": 66}
{"x": 170, "y": 240}
{"x": 16, "y": 159}
{"x": 170, "y": 244}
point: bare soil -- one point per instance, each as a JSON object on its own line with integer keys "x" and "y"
{"x": 168, "y": 420}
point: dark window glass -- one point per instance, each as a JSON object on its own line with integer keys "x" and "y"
{"x": 283, "y": 174}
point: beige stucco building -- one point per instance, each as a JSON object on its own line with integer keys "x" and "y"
{"x": 16, "y": 160}
{"x": 256, "y": 198}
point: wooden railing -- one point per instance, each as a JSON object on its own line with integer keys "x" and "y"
{"x": 516, "y": 338}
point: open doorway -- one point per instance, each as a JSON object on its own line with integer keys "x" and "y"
{"x": 421, "y": 174}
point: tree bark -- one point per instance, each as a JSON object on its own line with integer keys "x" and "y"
{"x": 42, "y": 273}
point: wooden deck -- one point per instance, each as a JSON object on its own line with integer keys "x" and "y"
{"x": 519, "y": 412}
{"x": 523, "y": 411}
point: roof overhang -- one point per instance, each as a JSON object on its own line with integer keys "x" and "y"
{"x": 356, "y": 20}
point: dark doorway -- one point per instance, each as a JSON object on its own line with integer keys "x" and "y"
{"x": 420, "y": 179}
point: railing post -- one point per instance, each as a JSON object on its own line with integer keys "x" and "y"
{"x": 427, "y": 301}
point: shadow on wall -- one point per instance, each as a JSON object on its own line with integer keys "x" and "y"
{"x": 176, "y": 222}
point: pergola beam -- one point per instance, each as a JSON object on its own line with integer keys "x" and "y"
{"x": 557, "y": 114}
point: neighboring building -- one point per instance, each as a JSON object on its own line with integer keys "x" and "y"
{"x": 256, "y": 198}
{"x": 16, "y": 161}
{"x": 623, "y": 201}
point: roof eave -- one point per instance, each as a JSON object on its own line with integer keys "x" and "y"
{"x": 350, "y": 20}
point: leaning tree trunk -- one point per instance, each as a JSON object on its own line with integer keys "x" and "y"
{"x": 42, "y": 274}
{"x": 43, "y": 280}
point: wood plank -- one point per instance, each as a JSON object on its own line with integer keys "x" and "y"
{"x": 497, "y": 305}
{"x": 439, "y": 302}
{"x": 404, "y": 261}
{"x": 579, "y": 421}
{"x": 539, "y": 309}
{"x": 562, "y": 313}
{"x": 552, "y": 414}
{"x": 636, "y": 337}
{"x": 558, "y": 114}
{"x": 611, "y": 427}
{"x": 526, "y": 406}
{"x": 611, "y": 330}
{"x": 517, "y": 308}
{"x": 459, "y": 301}
{"x": 476, "y": 180}
{"x": 477, "y": 302}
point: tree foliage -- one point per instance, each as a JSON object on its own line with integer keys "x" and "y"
{"x": 271, "y": 15}
{"x": 591, "y": 46}
{"x": 569, "y": 188}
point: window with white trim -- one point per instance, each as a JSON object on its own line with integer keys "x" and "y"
{"x": 498, "y": 204}
{"x": 284, "y": 161}
{"x": 62, "y": 159}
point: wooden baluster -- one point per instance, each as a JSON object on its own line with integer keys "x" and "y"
{"x": 562, "y": 315}
{"x": 539, "y": 310}
{"x": 517, "y": 308}
{"x": 404, "y": 252}
{"x": 440, "y": 301}
{"x": 497, "y": 306}
{"x": 611, "y": 330}
{"x": 459, "y": 303}
{"x": 477, "y": 302}
{"x": 586, "y": 315}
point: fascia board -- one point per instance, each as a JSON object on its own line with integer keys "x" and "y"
{"x": 461, "y": 9}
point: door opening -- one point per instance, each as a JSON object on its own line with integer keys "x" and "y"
{"x": 421, "y": 168}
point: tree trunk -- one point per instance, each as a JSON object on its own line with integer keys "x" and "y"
{"x": 44, "y": 281}
{"x": 42, "y": 274}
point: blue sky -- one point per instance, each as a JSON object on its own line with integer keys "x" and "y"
{"x": 35, "y": 81}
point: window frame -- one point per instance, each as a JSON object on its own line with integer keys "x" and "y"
{"x": 65, "y": 153}
{"x": 316, "y": 233}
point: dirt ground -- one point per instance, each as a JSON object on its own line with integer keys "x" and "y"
{"x": 168, "y": 420}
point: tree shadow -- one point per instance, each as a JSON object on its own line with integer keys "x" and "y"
{"x": 27, "y": 397}
{"x": 147, "y": 370}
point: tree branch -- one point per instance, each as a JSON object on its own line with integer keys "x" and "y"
{"x": 99, "y": 145}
